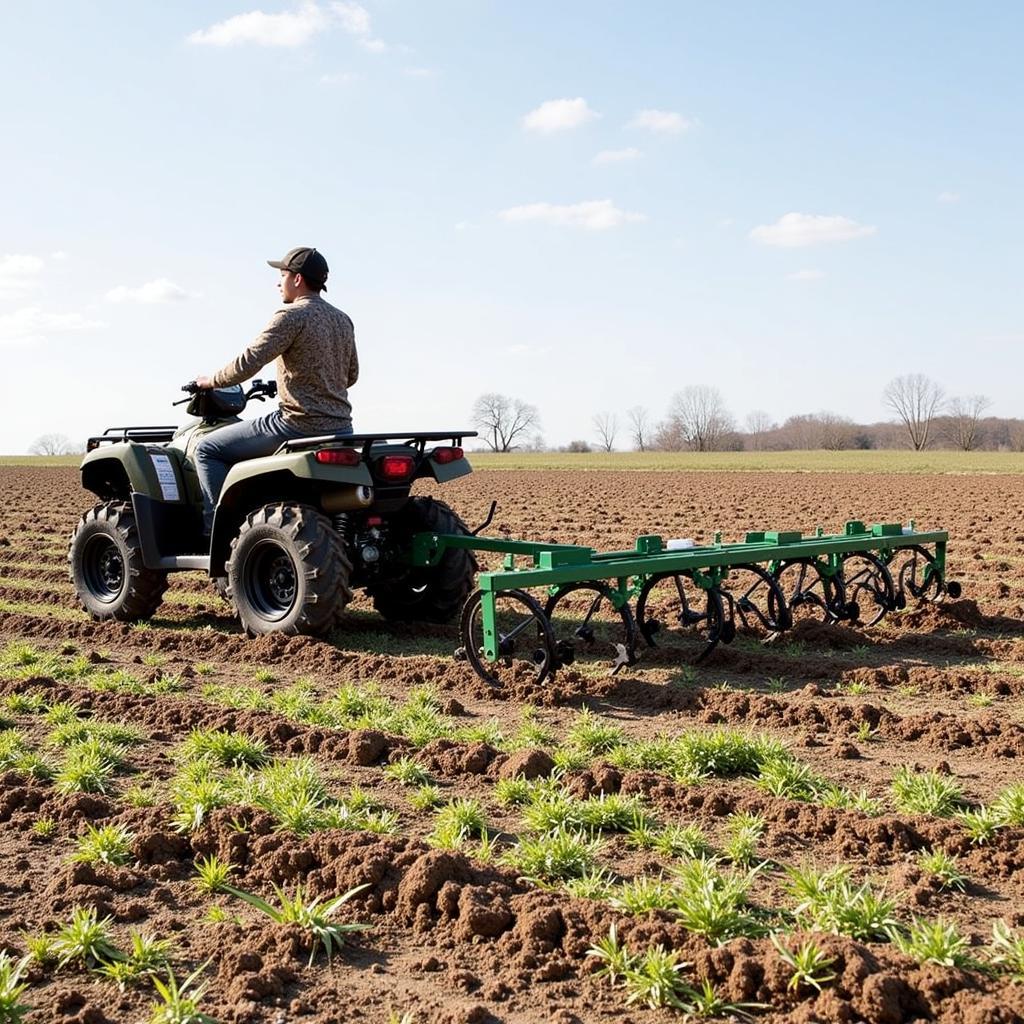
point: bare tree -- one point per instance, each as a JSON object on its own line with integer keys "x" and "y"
{"x": 640, "y": 426}
{"x": 965, "y": 418}
{"x": 697, "y": 416}
{"x": 502, "y": 420}
{"x": 758, "y": 424}
{"x": 835, "y": 432}
{"x": 51, "y": 444}
{"x": 607, "y": 426}
{"x": 915, "y": 399}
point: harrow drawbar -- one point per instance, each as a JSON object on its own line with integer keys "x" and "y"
{"x": 554, "y": 604}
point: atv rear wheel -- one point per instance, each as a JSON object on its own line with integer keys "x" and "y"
{"x": 430, "y": 594}
{"x": 105, "y": 558}
{"x": 287, "y": 571}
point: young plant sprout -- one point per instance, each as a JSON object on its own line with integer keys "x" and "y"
{"x": 212, "y": 874}
{"x": 179, "y": 1004}
{"x": 310, "y": 915}
{"x": 85, "y": 939}
{"x": 12, "y": 1009}
{"x": 809, "y": 963}
{"x": 104, "y": 844}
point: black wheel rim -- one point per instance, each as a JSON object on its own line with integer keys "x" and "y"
{"x": 270, "y": 580}
{"x": 103, "y": 568}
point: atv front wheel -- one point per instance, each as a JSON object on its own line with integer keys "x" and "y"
{"x": 105, "y": 558}
{"x": 434, "y": 593}
{"x": 287, "y": 571}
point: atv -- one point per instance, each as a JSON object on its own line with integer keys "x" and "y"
{"x": 294, "y": 532}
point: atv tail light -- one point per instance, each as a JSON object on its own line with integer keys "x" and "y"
{"x": 396, "y": 467}
{"x": 338, "y": 457}
{"x": 446, "y": 455}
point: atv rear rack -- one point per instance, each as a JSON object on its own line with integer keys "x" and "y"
{"x": 413, "y": 438}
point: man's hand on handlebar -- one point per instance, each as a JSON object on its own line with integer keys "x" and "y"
{"x": 203, "y": 383}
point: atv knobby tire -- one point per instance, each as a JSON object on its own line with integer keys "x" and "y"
{"x": 105, "y": 559}
{"x": 432, "y": 594}
{"x": 287, "y": 571}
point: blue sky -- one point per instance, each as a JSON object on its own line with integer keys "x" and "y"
{"x": 586, "y": 205}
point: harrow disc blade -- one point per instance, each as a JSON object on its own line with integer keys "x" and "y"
{"x": 677, "y": 617}
{"x": 584, "y": 616}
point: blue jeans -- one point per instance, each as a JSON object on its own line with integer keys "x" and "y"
{"x": 222, "y": 448}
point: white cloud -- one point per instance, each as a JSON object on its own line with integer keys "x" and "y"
{"x": 354, "y": 18}
{"x": 806, "y": 275}
{"x": 60, "y": 254}
{"x": 559, "y": 115}
{"x": 374, "y": 45}
{"x": 289, "y": 28}
{"x": 150, "y": 293}
{"x": 31, "y": 325}
{"x": 420, "y": 72}
{"x": 662, "y": 122}
{"x": 596, "y": 215}
{"x": 617, "y": 156}
{"x": 799, "y": 229}
{"x": 19, "y": 272}
{"x": 948, "y": 197}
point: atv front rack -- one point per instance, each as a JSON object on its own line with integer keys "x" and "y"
{"x": 143, "y": 435}
{"x": 413, "y": 438}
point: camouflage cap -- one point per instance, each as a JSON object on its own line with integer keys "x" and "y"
{"x": 306, "y": 261}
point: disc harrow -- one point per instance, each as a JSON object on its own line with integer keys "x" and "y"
{"x": 688, "y": 598}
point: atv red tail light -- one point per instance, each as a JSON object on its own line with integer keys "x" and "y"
{"x": 338, "y": 457}
{"x": 446, "y": 455}
{"x": 396, "y": 467}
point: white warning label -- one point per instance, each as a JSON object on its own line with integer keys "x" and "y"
{"x": 165, "y": 476}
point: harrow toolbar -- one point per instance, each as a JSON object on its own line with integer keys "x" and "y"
{"x": 680, "y": 597}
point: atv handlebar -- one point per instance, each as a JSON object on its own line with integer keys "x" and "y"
{"x": 260, "y": 390}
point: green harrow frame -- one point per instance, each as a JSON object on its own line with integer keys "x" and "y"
{"x": 687, "y": 598}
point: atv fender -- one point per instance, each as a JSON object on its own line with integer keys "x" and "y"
{"x": 119, "y": 470}
{"x": 289, "y": 476}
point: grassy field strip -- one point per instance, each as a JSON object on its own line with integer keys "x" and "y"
{"x": 719, "y": 462}
{"x": 43, "y": 611}
{"x": 760, "y": 462}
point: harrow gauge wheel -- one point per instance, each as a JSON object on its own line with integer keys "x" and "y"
{"x": 869, "y": 585}
{"x": 526, "y": 646}
{"x": 676, "y": 615}
{"x": 586, "y": 623}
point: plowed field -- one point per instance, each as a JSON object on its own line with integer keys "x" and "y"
{"x": 461, "y": 926}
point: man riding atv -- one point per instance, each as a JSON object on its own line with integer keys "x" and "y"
{"x": 315, "y": 348}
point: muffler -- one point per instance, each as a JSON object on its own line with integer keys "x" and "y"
{"x": 347, "y": 499}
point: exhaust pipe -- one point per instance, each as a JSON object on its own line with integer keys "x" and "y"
{"x": 347, "y": 499}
